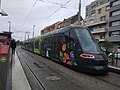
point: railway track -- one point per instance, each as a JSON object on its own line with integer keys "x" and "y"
{"x": 87, "y": 82}
{"x": 39, "y": 82}
{"x": 52, "y": 76}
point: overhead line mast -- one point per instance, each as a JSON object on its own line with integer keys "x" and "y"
{"x": 79, "y": 12}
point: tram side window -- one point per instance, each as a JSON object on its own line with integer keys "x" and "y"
{"x": 74, "y": 42}
{"x": 52, "y": 42}
{"x": 69, "y": 41}
{"x": 56, "y": 42}
{"x": 37, "y": 44}
{"x": 63, "y": 38}
{"x": 44, "y": 44}
{"x": 55, "y": 46}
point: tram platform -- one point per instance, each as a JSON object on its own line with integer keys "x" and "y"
{"x": 19, "y": 79}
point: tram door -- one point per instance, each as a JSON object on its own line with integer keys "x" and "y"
{"x": 56, "y": 46}
{"x": 43, "y": 46}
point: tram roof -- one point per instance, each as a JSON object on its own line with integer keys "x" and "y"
{"x": 61, "y": 30}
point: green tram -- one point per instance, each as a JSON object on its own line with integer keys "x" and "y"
{"x": 74, "y": 46}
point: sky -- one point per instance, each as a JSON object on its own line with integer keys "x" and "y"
{"x": 23, "y": 14}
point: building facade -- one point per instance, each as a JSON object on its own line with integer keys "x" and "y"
{"x": 114, "y": 34}
{"x": 50, "y": 28}
{"x": 97, "y": 19}
{"x": 65, "y": 22}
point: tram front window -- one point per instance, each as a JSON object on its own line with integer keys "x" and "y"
{"x": 87, "y": 42}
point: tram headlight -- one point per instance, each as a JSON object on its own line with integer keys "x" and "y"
{"x": 87, "y": 56}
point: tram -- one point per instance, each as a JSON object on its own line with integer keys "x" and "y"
{"x": 74, "y": 46}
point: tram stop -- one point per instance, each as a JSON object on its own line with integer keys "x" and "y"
{"x": 4, "y": 58}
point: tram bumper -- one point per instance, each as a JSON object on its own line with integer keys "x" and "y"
{"x": 94, "y": 69}
{"x": 93, "y": 66}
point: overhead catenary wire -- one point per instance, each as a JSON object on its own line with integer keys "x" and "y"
{"x": 28, "y": 13}
{"x": 55, "y": 11}
{"x": 18, "y": 30}
{"x": 57, "y": 3}
{"x": 61, "y": 6}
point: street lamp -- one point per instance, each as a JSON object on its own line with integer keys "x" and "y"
{"x": 2, "y": 11}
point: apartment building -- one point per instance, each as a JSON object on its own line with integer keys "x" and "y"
{"x": 97, "y": 19}
{"x": 114, "y": 34}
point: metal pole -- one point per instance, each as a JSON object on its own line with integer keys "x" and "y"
{"x": 28, "y": 36}
{"x": 33, "y": 38}
{"x": 33, "y": 30}
{"x": 0, "y": 4}
{"x": 2, "y": 11}
{"x": 9, "y": 25}
{"x": 28, "y": 40}
{"x": 79, "y": 13}
{"x": 25, "y": 35}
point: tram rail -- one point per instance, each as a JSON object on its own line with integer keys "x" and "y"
{"x": 39, "y": 82}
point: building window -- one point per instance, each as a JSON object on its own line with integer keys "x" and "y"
{"x": 86, "y": 16}
{"x": 102, "y": 26}
{"x": 93, "y": 12}
{"x": 107, "y": 8}
{"x": 116, "y": 13}
{"x": 116, "y": 23}
{"x": 91, "y": 21}
{"x": 96, "y": 3}
{"x": 102, "y": 36}
{"x": 102, "y": 2}
{"x": 116, "y": 3}
{"x": 115, "y": 33}
{"x": 86, "y": 9}
{"x": 103, "y": 18}
{"x": 93, "y": 7}
{"x": 99, "y": 11}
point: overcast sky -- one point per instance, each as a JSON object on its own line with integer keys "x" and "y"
{"x": 23, "y": 14}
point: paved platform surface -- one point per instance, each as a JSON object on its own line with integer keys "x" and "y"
{"x": 19, "y": 80}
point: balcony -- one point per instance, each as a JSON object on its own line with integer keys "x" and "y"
{"x": 101, "y": 40}
{"x": 100, "y": 30}
{"x": 114, "y": 38}
{"x": 104, "y": 5}
{"x": 95, "y": 24}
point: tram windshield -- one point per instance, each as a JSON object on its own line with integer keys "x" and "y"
{"x": 87, "y": 41}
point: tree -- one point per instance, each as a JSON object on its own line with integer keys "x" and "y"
{"x": 107, "y": 45}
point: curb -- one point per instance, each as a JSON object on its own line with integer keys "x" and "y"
{"x": 114, "y": 69}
